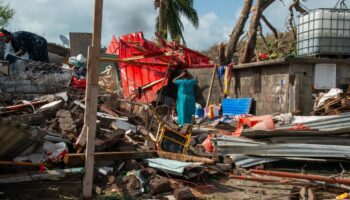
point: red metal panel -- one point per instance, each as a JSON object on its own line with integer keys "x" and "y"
{"x": 113, "y": 47}
{"x": 135, "y": 75}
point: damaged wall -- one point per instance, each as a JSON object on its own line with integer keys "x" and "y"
{"x": 283, "y": 85}
{"x": 203, "y": 75}
{"x": 268, "y": 86}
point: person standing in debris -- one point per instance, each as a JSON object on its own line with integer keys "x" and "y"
{"x": 26, "y": 42}
{"x": 185, "y": 104}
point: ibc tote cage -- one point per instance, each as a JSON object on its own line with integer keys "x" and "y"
{"x": 324, "y": 31}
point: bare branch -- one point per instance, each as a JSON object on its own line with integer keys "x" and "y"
{"x": 260, "y": 30}
{"x": 297, "y": 7}
{"x": 271, "y": 27}
{"x": 248, "y": 52}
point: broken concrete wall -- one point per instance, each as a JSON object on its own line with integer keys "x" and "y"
{"x": 267, "y": 85}
{"x": 36, "y": 78}
{"x": 203, "y": 75}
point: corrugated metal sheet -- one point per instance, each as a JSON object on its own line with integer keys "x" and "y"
{"x": 79, "y": 43}
{"x": 136, "y": 76}
{"x": 329, "y": 123}
{"x": 150, "y": 63}
{"x": 185, "y": 169}
{"x": 234, "y": 145}
{"x": 113, "y": 47}
{"x": 249, "y": 161}
{"x": 232, "y": 107}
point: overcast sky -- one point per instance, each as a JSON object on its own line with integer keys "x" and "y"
{"x": 51, "y": 18}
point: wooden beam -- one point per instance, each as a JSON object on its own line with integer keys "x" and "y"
{"x": 184, "y": 157}
{"x": 91, "y": 99}
{"x": 211, "y": 85}
{"x": 115, "y": 60}
{"x": 148, "y": 85}
{"x": 78, "y": 158}
{"x": 155, "y": 55}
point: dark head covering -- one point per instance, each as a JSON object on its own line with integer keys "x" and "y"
{"x": 4, "y": 32}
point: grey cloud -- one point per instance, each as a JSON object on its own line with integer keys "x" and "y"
{"x": 52, "y": 17}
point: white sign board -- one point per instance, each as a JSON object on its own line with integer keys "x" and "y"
{"x": 325, "y": 76}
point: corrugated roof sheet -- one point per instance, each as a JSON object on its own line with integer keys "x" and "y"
{"x": 175, "y": 167}
{"x": 232, "y": 107}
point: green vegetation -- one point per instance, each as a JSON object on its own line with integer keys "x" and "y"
{"x": 6, "y": 13}
{"x": 169, "y": 21}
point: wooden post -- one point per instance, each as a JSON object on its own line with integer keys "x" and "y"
{"x": 91, "y": 99}
{"x": 211, "y": 85}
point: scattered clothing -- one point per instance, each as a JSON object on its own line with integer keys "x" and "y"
{"x": 185, "y": 104}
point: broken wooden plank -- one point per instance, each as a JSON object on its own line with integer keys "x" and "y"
{"x": 79, "y": 158}
{"x": 338, "y": 110}
{"x": 49, "y": 174}
{"x": 345, "y": 102}
{"x": 184, "y": 157}
{"x": 23, "y": 163}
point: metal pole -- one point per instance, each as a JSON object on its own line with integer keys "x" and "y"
{"x": 302, "y": 176}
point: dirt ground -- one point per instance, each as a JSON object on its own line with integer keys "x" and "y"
{"x": 215, "y": 189}
{"x": 249, "y": 190}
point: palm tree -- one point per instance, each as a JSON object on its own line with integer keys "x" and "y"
{"x": 169, "y": 18}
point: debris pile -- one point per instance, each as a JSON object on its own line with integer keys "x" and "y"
{"x": 142, "y": 153}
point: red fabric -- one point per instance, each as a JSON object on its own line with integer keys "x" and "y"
{"x": 78, "y": 83}
{"x": 2, "y": 34}
{"x": 136, "y": 75}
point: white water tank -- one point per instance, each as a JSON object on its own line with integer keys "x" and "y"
{"x": 324, "y": 31}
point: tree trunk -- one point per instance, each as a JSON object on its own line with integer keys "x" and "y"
{"x": 260, "y": 31}
{"x": 221, "y": 54}
{"x": 237, "y": 31}
{"x": 248, "y": 52}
